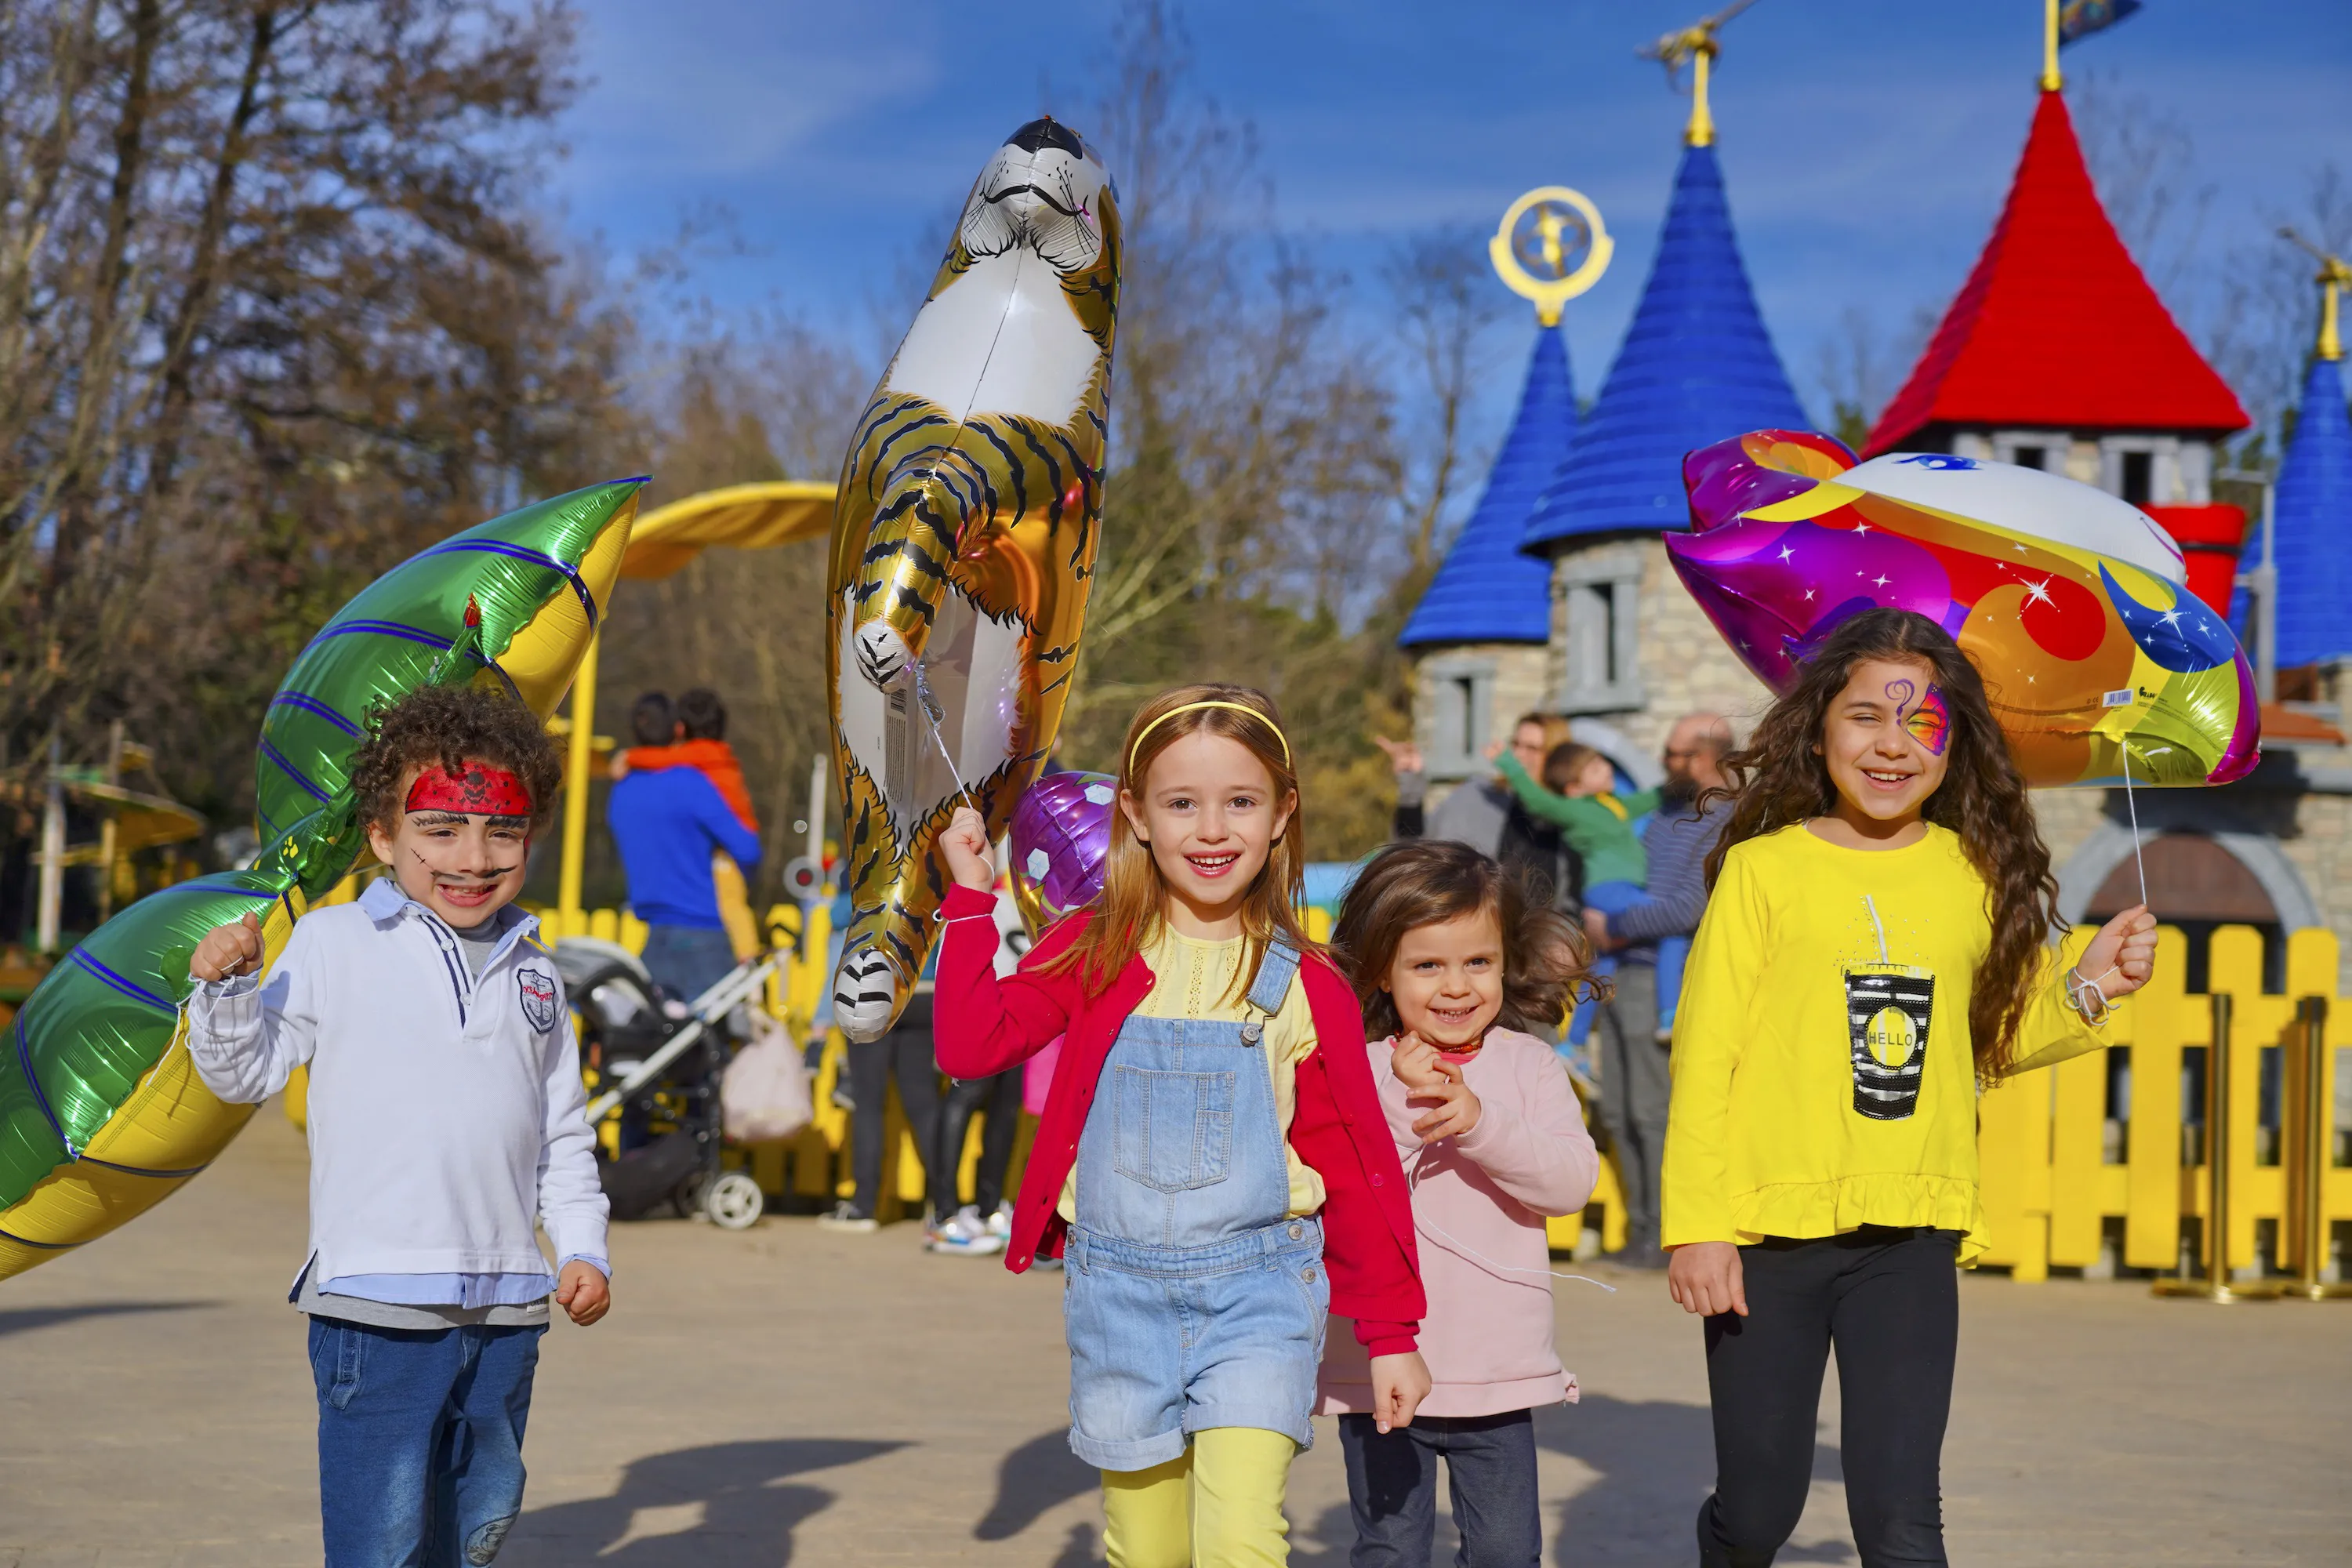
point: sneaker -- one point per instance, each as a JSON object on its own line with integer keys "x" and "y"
{"x": 1000, "y": 1224}
{"x": 844, "y": 1216}
{"x": 965, "y": 1235}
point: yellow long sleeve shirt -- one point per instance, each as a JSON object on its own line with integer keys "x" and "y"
{"x": 1825, "y": 1077}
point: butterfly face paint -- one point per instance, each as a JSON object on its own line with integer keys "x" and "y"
{"x": 1930, "y": 724}
{"x": 1883, "y": 745}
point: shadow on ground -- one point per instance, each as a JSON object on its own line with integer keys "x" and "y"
{"x": 724, "y": 1506}
{"x": 1654, "y": 1464}
{"x": 1653, "y": 1461}
{"x": 21, "y": 1320}
{"x": 1039, "y": 1475}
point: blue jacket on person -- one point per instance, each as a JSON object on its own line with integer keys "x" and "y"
{"x": 666, "y": 821}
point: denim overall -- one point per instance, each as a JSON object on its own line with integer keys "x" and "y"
{"x": 1193, "y": 1301}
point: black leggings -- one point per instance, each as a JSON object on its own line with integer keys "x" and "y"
{"x": 1889, "y": 1300}
{"x": 904, "y": 1054}
{"x": 998, "y": 1099}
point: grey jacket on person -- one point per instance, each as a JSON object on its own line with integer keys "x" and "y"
{"x": 1678, "y": 845}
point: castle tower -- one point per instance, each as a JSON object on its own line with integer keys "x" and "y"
{"x": 1631, "y": 650}
{"x": 1479, "y": 631}
{"x": 2311, "y": 518}
{"x": 2057, "y": 354}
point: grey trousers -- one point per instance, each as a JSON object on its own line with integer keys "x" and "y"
{"x": 1634, "y": 1088}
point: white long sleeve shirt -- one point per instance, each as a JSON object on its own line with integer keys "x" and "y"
{"x": 446, "y": 1111}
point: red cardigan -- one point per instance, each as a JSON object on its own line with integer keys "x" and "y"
{"x": 982, "y": 1025}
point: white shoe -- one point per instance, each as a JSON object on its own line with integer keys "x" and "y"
{"x": 1000, "y": 1224}
{"x": 844, "y": 1216}
{"x": 966, "y": 1234}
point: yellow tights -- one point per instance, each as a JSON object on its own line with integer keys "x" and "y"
{"x": 1216, "y": 1505}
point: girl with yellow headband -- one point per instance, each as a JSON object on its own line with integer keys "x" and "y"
{"x": 1213, "y": 1163}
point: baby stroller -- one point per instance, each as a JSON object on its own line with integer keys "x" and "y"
{"x": 661, "y": 1073}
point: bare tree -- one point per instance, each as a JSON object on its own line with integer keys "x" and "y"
{"x": 272, "y": 313}
{"x": 1860, "y": 365}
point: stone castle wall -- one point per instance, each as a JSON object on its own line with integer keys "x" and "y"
{"x": 2302, "y": 805}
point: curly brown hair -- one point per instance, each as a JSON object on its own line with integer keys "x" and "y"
{"x": 1778, "y": 779}
{"x": 1422, "y": 882}
{"x": 448, "y": 725}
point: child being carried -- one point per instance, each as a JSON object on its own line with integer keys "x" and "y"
{"x": 1578, "y": 795}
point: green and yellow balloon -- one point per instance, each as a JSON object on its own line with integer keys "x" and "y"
{"x": 101, "y": 1113}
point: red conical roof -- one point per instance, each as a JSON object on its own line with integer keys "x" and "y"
{"x": 2056, "y": 328}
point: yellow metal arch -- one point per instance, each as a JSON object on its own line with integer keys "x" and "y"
{"x": 742, "y": 517}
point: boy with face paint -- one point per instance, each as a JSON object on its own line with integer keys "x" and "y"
{"x": 446, "y": 1122}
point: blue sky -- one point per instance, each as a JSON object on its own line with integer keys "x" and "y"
{"x": 1866, "y": 142}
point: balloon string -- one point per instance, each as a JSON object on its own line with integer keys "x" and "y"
{"x": 2082, "y": 991}
{"x": 931, "y": 717}
{"x": 2132, "y": 806}
{"x": 1462, "y": 1249}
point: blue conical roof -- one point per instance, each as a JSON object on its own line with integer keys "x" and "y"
{"x": 2312, "y": 512}
{"x": 1697, "y": 366}
{"x": 1485, "y": 590}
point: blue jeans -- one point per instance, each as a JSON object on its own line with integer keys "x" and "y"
{"x": 420, "y": 1441}
{"x": 689, "y": 960}
{"x": 1490, "y": 1464}
{"x": 1169, "y": 1341}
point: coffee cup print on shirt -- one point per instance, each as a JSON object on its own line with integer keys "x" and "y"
{"x": 1887, "y": 1008}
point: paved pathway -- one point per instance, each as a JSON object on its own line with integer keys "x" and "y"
{"x": 787, "y": 1396}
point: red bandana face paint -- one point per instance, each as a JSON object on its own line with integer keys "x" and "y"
{"x": 479, "y": 791}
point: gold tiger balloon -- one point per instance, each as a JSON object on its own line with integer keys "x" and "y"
{"x": 963, "y": 542}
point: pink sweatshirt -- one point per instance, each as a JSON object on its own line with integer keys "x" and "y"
{"x": 1487, "y": 1337}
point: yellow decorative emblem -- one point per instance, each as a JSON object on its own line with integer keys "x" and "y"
{"x": 1551, "y": 246}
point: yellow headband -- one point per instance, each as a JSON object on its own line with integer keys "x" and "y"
{"x": 1195, "y": 708}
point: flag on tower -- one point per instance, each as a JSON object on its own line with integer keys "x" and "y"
{"x": 2078, "y": 19}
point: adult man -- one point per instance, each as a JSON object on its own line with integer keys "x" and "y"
{"x": 1633, "y": 1048}
{"x": 1485, "y": 814}
{"x": 668, "y": 821}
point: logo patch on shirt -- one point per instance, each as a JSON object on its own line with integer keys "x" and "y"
{"x": 538, "y": 989}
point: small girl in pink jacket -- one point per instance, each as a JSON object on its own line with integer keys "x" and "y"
{"x": 1452, "y": 965}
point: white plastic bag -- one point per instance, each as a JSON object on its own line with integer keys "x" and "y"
{"x": 765, "y": 1094}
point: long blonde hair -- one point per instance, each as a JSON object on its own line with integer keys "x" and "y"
{"x": 1127, "y": 915}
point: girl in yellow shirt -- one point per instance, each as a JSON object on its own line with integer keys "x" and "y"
{"x": 1874, "y": 951}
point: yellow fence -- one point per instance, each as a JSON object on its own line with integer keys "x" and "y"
{"x": 2093, "y": 1162}
{"x": 815, "y": 1163}
{"x": 2089, "y": 1163}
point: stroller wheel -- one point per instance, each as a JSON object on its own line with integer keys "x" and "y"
{"x": 734, "y": 1200}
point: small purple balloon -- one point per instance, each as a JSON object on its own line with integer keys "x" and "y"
{"x": 1061, "y": 835}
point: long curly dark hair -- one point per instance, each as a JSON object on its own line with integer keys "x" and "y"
{"x": 1433, "y": 882}
{"x": 1779, "y": 778}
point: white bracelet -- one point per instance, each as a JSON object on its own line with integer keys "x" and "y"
{"x": 2085, "y": 997}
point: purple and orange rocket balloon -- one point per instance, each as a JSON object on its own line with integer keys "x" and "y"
{"x": 2073, "y": 604}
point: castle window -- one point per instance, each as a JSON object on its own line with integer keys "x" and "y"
{"x": 1600, "y": 635}
{"x": 1460, "y": 698}
{"x": 2029, "y": 456}
{"x": 2138, "y": 477}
